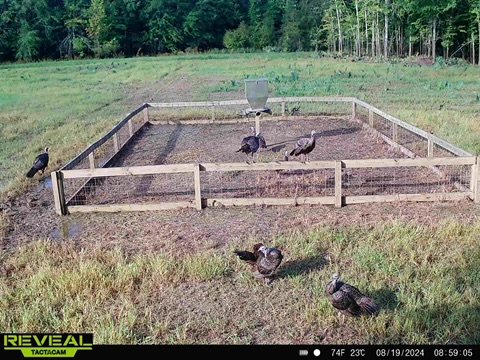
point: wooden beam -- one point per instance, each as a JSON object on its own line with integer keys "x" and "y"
{"x": 116, "y": 147}
{"x": 131, "y": 207}
{"x": 283, "y": 108}
{"x": 91, "y": 160}
{"x": 245, "y": 101}
{"x": 274, "y": 165}
{"x": 395, "y": 133}
{"x": 232, "y": 121}
{"x": 338, "y": 183}
{"x": 145, "y": 115}
{"x": 407, "y": 197}
{"x": 354, "y": 110}
{"x": 476, "y": 181}
{"x": 324, "y": 200}
{"x": 130, "y": 128}
{"x": 429, "y": 148}
{"x": 132, "y": 170}
{"x": 372, "y": 163}
{"x": 370, "y": 118}
{"x": 198, "y": 192}
{"x": 257, "y": 123}
{"x": 58, "y": 192}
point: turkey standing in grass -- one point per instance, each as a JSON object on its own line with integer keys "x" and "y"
{"x": 348, "y": 300}
{"x": 39, "y": 164}
{"x": 264, "y": 260}
{"x": 251, "y": 144}
{"x": 303, "y": 147}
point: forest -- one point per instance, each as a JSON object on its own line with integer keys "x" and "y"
{"x": 33, "y": 30}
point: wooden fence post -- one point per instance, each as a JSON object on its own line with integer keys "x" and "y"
{"x": 130, "y": 128}
{"x": 354, "y": 110}
{"x": 198, "y": 191}
{"x": 429, "y": 148}
{"x": 395, "y": 133}
{"x": 338, "y": 183}
{"x": 58, "y": 192}
{"x": 213, "y": 112}
{"x": 145, "y": 115}
{"x": 475, "y": 186}
{"x": 257, "y": 123}
{"x": 283, "y": 109}
{"x": 115, "y": 143}
{"x": 370, "y": 118}
{"x": 91, "y": 159}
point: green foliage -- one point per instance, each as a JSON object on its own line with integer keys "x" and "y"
{"x": 27, "y": 43}
{"x": 134, "y": 27}
{"x": 237, "y": 39}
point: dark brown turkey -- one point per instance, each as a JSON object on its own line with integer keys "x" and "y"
{"x": 39, "y": 164}
{"x": 251, "y": 144}
{"x": 348, "y": 300}
{"x": 264, "y": 260}
{"x": 303, "y": 147}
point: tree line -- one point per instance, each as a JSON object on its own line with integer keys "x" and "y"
{"x": 33, "y": 30}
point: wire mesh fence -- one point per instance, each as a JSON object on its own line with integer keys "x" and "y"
{"x": 210, "y": 138}
{"x": 406, "y": 180}
{"x": 267, "y": 184}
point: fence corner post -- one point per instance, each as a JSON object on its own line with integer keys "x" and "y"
{"x": 338, "y": 183}
{"x": 145, "y": 114}
{"x": 58, "y": 192}
{"x": 198, "y": 192}
{"x": 476, "y": 180}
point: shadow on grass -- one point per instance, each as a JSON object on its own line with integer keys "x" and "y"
{"x": 298, "y": 267}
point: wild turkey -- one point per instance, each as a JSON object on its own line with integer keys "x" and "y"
{"x": 251, "y": 144}
{"x": 264, "y": 260}
{"x": 39, "y": 164}
{"x": 303, "y": 147}
{"x": 348, "y": 300}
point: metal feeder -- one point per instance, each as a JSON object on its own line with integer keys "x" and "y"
{"x": 256, "y": 92}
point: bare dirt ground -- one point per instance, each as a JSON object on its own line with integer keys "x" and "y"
{"x": 31, "y": 216}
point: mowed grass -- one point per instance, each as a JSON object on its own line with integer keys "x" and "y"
{"x": 67, "y": 105}
{"x": 425, "y": 278}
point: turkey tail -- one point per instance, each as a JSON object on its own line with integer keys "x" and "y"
{"x": 368, "y": 305}
{"x": 31, "y": 172}
{"x": 245, "y": 148}
{"x": 247, "y": 256}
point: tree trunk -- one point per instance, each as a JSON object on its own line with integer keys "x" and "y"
{"x": 473, "y": 49}
{"x": 340, "y": 37}
{"x": 385, "y": 33}
{"x": 410, "y": 46}
{"x": 357, "y": 40}
{"x": 379, "y": 49}
{"x": 366, "y": 31}
{"x": 373, "y": 37}
{"x": 478, "y": 23}
{"x": 434, "y": 38}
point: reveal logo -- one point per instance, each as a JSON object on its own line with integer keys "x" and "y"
{"x": 47, "y": 345}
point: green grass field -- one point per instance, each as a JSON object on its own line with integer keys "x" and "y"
{"x": 426, "y": 277}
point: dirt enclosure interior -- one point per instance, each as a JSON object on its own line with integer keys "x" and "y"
{"x": 337, "y": 138}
